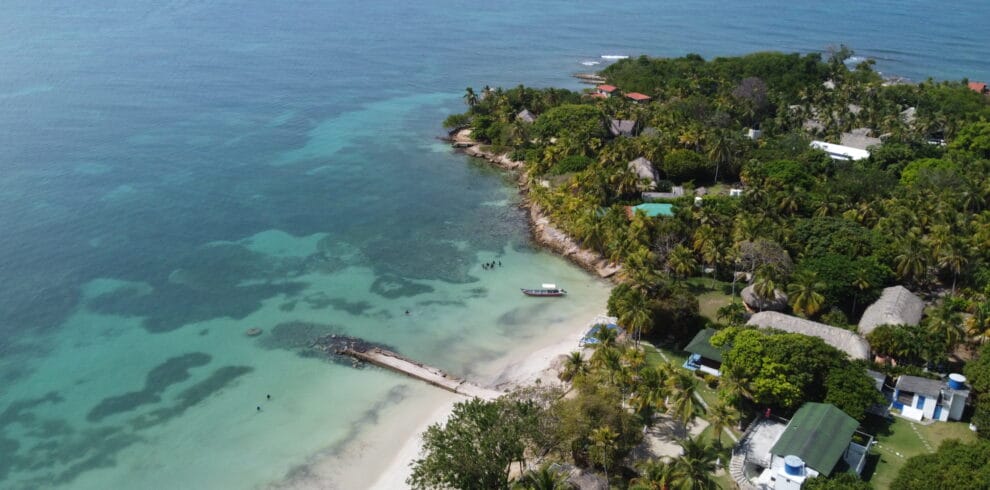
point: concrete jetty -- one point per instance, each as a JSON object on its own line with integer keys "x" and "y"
{"x": 434, "y": 376}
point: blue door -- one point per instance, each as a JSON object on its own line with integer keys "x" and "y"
{"x": 920, "y": 403}
{"x": 938, "y": 412}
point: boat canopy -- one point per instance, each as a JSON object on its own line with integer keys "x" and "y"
{"x": 549, "y": 286}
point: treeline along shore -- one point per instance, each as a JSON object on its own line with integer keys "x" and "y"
{"x": 792, "y": 237}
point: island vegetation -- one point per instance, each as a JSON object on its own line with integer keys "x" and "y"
{"x": 727, "y": 142}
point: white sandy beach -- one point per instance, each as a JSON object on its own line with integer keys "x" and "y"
{"x": 522, "y": 370}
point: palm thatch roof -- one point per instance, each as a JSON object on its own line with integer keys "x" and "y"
{"x": 755, "y": 302}
{"x": 896, "y": 306}
{"x": 622, "y": 127}
{"x": 526, "y": 116}
{"x": 844, "y": 340}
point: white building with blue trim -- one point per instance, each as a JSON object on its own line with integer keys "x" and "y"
{"x": 932, "y": 399}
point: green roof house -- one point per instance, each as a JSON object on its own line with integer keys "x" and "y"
{"x": 705, "y": 357}
{"x": 820, "y": 440}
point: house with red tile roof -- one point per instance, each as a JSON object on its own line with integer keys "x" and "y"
{"x": 638, "y": 97}
{"x": 979, "y": 87}
{"x": 606, "y": 90}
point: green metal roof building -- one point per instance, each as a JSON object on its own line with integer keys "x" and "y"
{"x": 819, "y": 434}
{"x": 704, "y": 357}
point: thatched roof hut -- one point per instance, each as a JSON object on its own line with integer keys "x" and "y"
{"x": 896, "y": 306}
{"x": 643, "y": 168}
{"x": 756, "y": 303}
{"x": 526, "y": 116}
{"x": 622, "y": 127}
{"x": 844, "y": 340}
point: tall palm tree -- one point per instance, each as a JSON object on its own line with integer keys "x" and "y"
{"x": 470, "y": 98}
{"x": 574, "y": 366}
{"x": 681, "y": 261}
{"x": 952, "y": 258}
{"x": 635, "y": 312}
{"x": 603, "y": 447}
{"x": 696, "y": 465}
{"x": 605, "y": 336}
{"x": 861, "y": 281}
{"x": 720, "y": 416}
{"x": 608, "y": 361}
{"x": 945, "y": 323}
{"x": 655, "y": 474}
{"x": 721, "y": 150}
{"x": 681, "y": 388}
{"x": 650, "y": 392}
{"x": 542, "y": 478}
{"x": 912, "y": 262}
{"x": 804, "y": 293}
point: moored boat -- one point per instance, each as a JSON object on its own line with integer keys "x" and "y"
{"x": 545, "y": 290}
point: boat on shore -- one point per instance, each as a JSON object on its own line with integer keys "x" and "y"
{"x": 545, "y": 290}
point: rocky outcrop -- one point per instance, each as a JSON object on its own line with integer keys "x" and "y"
{"x": 543, "y": 231}
{"x": 553, "y": 238}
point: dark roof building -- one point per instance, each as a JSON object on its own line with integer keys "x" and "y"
{"x": 705, "y": 357}
{"x": 819, "y": 434}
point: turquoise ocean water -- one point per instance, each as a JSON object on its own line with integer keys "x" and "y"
{"x": 173, "y": 173}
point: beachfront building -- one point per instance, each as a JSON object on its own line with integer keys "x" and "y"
{"x": 754, "y": 302}
{"x": 853, "y": 345}
{"x": 979, "y": 87}
{"x": 930, "y": 399}
{"x": 526, "y": 116}
{"x": 780, "y": 454}
{"x": 645, "y": 171}
{"x": 705, "y": 357}
{"x": 896, "y": 306}
{"x": 606, "y": 90}
{"x": 839, "y": 152}
{"x": 638, "y": 97}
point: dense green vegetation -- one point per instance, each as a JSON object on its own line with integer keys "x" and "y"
{"x": 829, "y": 233}
{"x": 955, "y": 465}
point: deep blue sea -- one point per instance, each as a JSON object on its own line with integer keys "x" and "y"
{"x": 175, "y": 172}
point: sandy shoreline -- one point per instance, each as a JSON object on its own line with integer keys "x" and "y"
{"x": 521, "y": 370}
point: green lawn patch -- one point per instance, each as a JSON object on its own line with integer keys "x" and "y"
{"x": 711, "y": 295}
{"x": 901, "y": 439}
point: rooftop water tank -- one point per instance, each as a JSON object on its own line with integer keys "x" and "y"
{"x": 957, "y": 381}
{"x": 793, "y": 465}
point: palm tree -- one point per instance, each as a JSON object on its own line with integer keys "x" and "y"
{"x": 470, "y": 98}
{"x": 650, "y": 392}
{"x": 861, "y": 282}
{"x": 765, "y": 281}
{"x": 720, "y": 416}
{"x": 721, "y": 150}
{"x": 635, "y": 312}
{"x": 681, "y": 261}
{"x": 946, "y": 324}
{"x": 542, "y": 478}
{"x": 912, "y": 263}
{"x": 681, "y": 388}
{"x": 574, "y": 366}
{"x": 952, "y": 259}
{"x": 603, "y": 447}
{"x": 695, "y": 467}
{"x": 655, "y": 474}
{"x": 605, "y": 336}
{"x": 609, "y": 360}
{"x": 804, "y": 293}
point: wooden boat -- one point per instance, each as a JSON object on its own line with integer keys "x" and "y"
{"x": 545, "y": 290}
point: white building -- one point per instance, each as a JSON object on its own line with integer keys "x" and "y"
{"x": 839, "y": 152}
{"x": 932, "y": 399}
{"x": 820, "y": 440}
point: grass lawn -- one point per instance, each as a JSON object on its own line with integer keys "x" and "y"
{"x": 899, "y": 440}
{"x": 711, "y": 295}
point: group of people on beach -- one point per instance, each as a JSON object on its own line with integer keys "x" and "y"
{"x": 491, "y": 265}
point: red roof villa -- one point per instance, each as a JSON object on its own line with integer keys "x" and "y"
{"x": 605, "y": 90}
{"x": 979, "y": 87}
{"x": 638, "y": 97}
